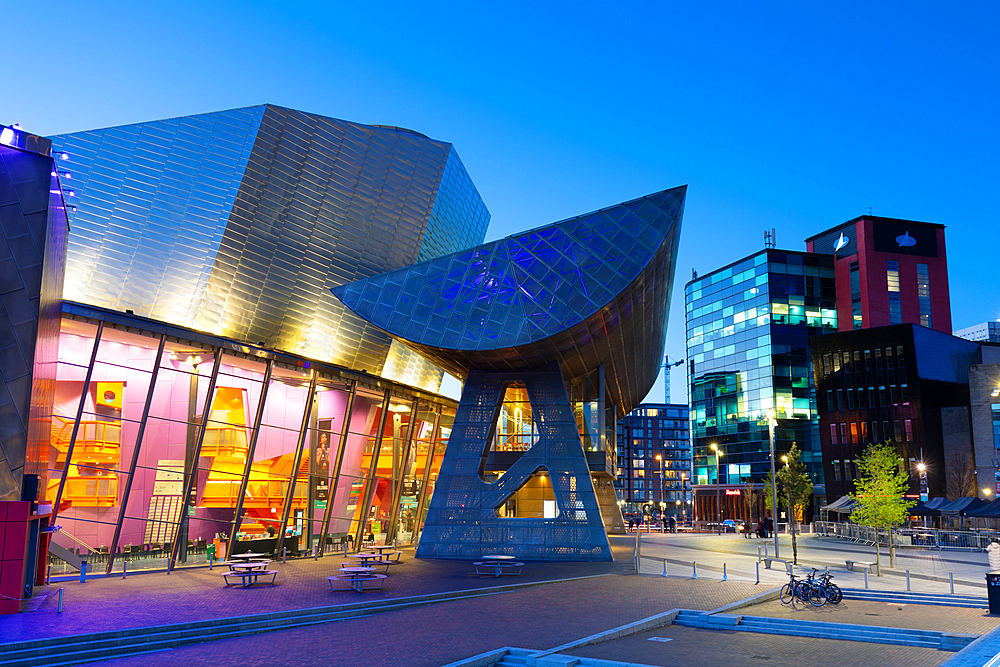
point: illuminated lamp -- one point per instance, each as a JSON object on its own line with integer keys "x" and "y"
{"x": 7, "y": 136}
{"x": 64, "y": 156}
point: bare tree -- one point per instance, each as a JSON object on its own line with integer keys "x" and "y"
{"x": 960, "y": 476}
{"x": 750, "y": 497}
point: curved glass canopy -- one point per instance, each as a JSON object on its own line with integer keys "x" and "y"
{"x": 586, "y": 291}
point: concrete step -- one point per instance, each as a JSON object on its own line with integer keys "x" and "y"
{"x": 79, "y": 649}
{"x": 945, "y": 600}
{"x": 825, "y": 629}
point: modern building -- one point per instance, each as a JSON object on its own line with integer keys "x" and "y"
{"x": 904, "y": 384}
{"x": 654, "y": 458}
{"x": 557, "y": 331}
{"x": 748, "y": 328}
{"x": 889, "y": 271}
{"x": 987, "y": 332}
{"x": 201, "y": 386}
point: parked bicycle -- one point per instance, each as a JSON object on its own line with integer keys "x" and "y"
{"x": 830, "y": 591}
{"x": 805, "y": 590}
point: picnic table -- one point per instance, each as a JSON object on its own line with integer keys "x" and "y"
{"x": 497, "y": 565}
{"x": 248, "y": 555}
{"x": 356, "y": 578}
{"x": 387, "y": 551}
{"x": 249, "y": 573}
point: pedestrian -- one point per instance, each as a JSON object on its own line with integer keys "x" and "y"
{"x": 631, "y": 524}
{"x": 673, "y": 524}
{"x": 993, "y": 551}
{"x": 666, "y": 524}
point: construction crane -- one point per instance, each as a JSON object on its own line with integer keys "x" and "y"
{"x": 667, "y": 365}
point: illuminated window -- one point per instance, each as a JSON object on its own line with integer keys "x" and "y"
{"x": 895, "y": 308}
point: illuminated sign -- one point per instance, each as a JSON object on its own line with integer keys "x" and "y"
{"x": 732, "y": 492}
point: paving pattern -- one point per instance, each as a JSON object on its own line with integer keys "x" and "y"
{"x": 692, "y": 647}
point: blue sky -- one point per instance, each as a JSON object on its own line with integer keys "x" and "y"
{"x": 797, "y": 116}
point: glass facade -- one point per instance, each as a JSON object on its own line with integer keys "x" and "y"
{"x": 892, "y": 282}
{"x": 857, "y": 317}
{"x": 164, "y": 444}
{"x": 748, "y": 329}
{"x": 924, "y": 294}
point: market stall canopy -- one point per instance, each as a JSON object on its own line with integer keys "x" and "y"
{"x": 961, "y": 506}
{"x": 930, "y": 508}
{"x": 988, "y": 511}
{"x": 845, "y": 505}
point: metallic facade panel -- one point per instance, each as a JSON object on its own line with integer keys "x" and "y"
{"x": 237, "y": 223}
{"x": 33, "y": 233}
{"x": 587, "y": 291}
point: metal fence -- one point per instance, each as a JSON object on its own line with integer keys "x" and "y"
{"x": 908, "y": 537}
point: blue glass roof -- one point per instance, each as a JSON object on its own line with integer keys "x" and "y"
{"x": 523, "y": 288}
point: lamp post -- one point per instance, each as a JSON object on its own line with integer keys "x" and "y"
{"x": 718, "y": 495}
{"x": 660, "y": 459}
{"x": 771, "y": 423}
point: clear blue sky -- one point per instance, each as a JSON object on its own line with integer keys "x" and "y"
{"x": 797, "y": 116}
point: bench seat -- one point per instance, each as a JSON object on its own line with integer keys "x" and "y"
{"x": 249, "y": 578}
{"x": 787, "y": 563}
{"x": 866, "y": 564}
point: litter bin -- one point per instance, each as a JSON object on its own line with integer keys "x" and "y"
{"x": 210, "y": 552}
{"x": 993, "y": 589}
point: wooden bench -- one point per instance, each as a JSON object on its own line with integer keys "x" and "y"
{"x": 787, "y": 563}
{"x": 498, "y": 567}
{"x": 867, "y": 565}
{"x": 357, "y": 583}
{"x": 249, "y": 578}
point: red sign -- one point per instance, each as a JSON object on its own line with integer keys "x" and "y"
{"x": 732, "y": 492}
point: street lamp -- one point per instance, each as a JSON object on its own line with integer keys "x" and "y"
{"x": 718, "y": 495}
{"x": 660, "y": 459}
{"x": 771, "y": 423}
{"x": 986, "y": 492}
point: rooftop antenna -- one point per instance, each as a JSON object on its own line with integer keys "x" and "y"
{"x": 869, "y": 210}
{"x": 667, "y": 365}
{"x": 770, "y": 238}
{"x": 694, "y": 275}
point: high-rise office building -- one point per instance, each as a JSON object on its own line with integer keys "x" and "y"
{"x": 748, "y": 329}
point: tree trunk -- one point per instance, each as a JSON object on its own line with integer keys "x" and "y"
{"x": 878, "y": 551}
{"x": 795, "y": 546}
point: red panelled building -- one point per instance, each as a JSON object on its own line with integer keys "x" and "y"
{"x": 888, "y": 271}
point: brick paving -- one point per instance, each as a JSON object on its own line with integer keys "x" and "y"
{"x": 196, "y": 593}
{"x": 691, "y": 647}
{"x": 538, "y": 618}
{"x": 863, "y": 612}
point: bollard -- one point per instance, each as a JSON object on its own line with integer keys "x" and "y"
{"x": 59, "y": 608}
{"x": 211, "y": 559}
{"x": 664, "y": 567}
{"x": 315, "y": 551}
{"x": 907, "y": 581}
{"x": 951, "y": 580}
{"x": 694, "y": 569}
{"x": 83, "y": 572}
{"x": 724, "y": 572}
{"x": 48, "y": 575}
{"x": 284, "y": 553}
{"x": 758, "y": 574}
{"x": 169, "y": 561}
{"x": 866, "y": 577}
{"x": 124, "y": 569}
{"x": 345, "y": 549}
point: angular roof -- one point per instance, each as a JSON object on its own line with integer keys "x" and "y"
{"x": 586, "y": 291}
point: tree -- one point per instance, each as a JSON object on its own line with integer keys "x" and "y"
{"x": 797, "y": 488}
{"x": 959, "y": 476}
{"x": 750, "y": 496}
{"x": 883, "y": 479}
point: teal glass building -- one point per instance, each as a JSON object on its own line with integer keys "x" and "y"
{"x": 748, "y": 327}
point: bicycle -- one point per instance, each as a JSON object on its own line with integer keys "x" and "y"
{"x": 801, "y": 589}
{"x": 830, "y": 590}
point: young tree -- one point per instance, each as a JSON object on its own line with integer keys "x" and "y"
{"x": 797, "y": 488}
{"x": 879, "y": 493}
{"x": 750, "y": 496}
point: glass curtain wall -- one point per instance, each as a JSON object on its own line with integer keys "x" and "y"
{"x": 134, "y": 426}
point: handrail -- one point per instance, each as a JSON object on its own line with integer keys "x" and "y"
{"x": 77, "y": 540}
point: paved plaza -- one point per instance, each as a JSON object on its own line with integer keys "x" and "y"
{"x": 581, "y": 599}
